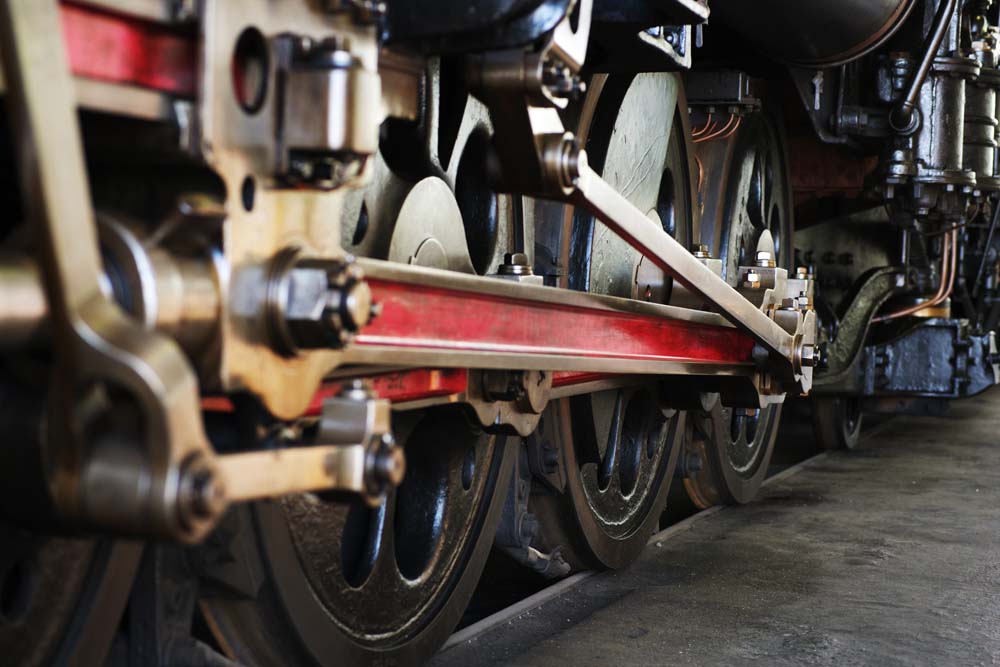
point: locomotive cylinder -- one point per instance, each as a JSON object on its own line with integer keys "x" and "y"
{"x": 813, "y": 33}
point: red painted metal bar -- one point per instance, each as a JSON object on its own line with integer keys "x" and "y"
{"x": 122, "y": 49}
{"x": 427, "y": 317}
{"x": 397, "y": 386}
{"x": 451, "y": 322}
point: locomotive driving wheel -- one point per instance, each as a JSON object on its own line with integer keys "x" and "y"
{"x": 746, "y": 206}
{"x": 837, "y": 421}
{"x": 342, "y": 583}
{"x": 620, "y": 446}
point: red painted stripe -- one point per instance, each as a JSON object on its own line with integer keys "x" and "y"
{"x": 430, "y": 317}
{"x": 123, "y": 49}
{"x": 567, "y": 378}
{"x": 403, "y": 386}
{"x": 397, "y": 387}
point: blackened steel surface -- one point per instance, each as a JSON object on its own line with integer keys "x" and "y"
{"x": 940, "y": 358}
{"x": 642, "y": 14}
{"x": 813, "y": 33}
{"x": 884, "y": 555}
{"x": 449, "y": 26}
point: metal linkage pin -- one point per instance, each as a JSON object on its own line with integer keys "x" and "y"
{"x": 354, "y": 452}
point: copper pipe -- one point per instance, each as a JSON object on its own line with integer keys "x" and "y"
{"x": 948, "y": 271}
{"x": 731, "y": 132}
{"x": 704, "y": 128}
{"x": 725, "y": 128}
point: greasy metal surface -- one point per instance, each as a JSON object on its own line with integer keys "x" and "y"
{"x": 843, "y": 351}
{"x": 882, "y": 555}
{"x": 941, "y": 357}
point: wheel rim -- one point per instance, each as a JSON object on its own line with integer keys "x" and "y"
{"x": 410, "y": 549}
{"x": 349, "y": 584}
{"x": 61, "y": 598}
{"x": 619, "y": 446}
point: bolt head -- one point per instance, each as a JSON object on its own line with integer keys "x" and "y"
{"x": 515, "y": 259}
{"x": 387, "y": 464}
{"x": 202, "y": 492}
{"x": 357, "y": 305}
{"x": 808, "y": 355}
{"x": 764, "y": 258}
{"x": 700, "y": 250}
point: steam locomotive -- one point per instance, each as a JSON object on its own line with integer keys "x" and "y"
{"x": 310, "y": 305}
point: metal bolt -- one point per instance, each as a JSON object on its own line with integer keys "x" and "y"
{"x": 356, "y": 305}
{"x": 202, "y": 493}
{"x": 569, "y": 161}
{"x": 751, "y": 280}
{"x": 808, "y": 355}
{"x": 802, "y": 272}
{"x": 701, "y": 251}
{"x": 356, "y": 390}
{"x": 386, "y": 465}
{"x": 515, "y": 264}
{"x": 205, "y": 493}
{"x": 316, "y": 303}
{"x": 764, "y": 259}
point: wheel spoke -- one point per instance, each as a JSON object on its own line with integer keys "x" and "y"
{"x": 609, "y": 463}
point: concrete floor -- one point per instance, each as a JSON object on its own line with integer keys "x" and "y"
{"x": 885, "y": 555}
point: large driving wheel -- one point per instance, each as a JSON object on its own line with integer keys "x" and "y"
{"x": 837, "y": 421}
{"x": 341, "y": 583}
{"x": 746, "y": 205}
{"x": 620, "y": 446}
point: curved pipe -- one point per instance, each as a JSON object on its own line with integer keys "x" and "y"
{"x": 902, "y": 116}
{"x": 948, "y": 271}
